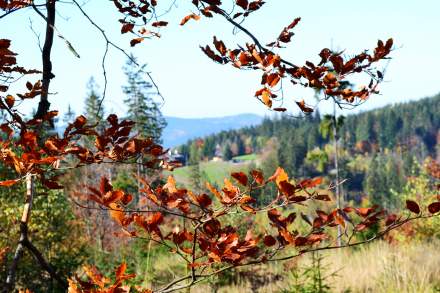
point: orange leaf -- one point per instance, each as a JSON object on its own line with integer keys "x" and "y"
{"x": 10, "y": 101}
{"x": 8, "y": 183}
{"x": 214, "y": 191}
{"x": 117, "y": 213}
{"x": 121, "y": 270}
{"x": 266, "y": 98}
{"x": 273, "y": 79}
{"x": 257, "y": 57}
{"x": 188, "y": 17}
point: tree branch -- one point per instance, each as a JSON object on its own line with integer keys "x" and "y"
{"x": 43, "y": 106}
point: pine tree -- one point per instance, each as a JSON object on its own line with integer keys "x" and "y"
{"x": 93, "y": 108}
{"x": 142, "y": 108}
{"x": 69, "y": 116}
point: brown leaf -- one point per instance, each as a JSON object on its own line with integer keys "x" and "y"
{"x": 220, "y": 46}
{"x": 302, "y": 105}
{"x": 159, "y": 23}
{"x": 136, "y": 41}
{"x": 127, "y": 27}
{"x": 278, "y": 109}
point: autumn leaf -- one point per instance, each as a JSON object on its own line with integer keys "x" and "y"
{"x": 188, "y": 17}
{"x": 159, "y": 23}
{"x": 413, "y": 206}
{"x": 242, "y": 3}
{"x": 220, "y": 46}
{"x": 269, "y": 240}
{"x": 266, "y": 98}
{"x": 273, "y": 79}
{"x": 120, "y": 270}
{"x": 136, "y": 41}
{"x": 258, "y": 176}
{"x": 240, "y": 177}
{"x": 302, "y": 105}
{"x": 10, "y": 101}
{"x": 8, "y": 183}
{"x": 434, "y": 207}
{"x": 127, "y": 27}
{"x": 278, "y": 109}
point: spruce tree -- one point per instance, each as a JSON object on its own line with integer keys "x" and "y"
{"x": 139, "y": 98}
{"x": 93, "y": 108}
{"x": 69, "y": 116}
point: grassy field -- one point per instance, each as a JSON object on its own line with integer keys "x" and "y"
{"x": 214, "y": 172}
{"x": 249, "y": 157}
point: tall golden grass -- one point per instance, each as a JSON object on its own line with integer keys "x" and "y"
{"x": 379, "y": 267}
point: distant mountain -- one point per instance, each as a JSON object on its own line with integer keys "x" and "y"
{"x": 180, "y": 130}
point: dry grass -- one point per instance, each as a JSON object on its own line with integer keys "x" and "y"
{"x": 379, "y": 267}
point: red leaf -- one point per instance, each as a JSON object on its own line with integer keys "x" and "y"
{"x": 413, "y": 206}
{"x": 434, "y": 207}
{"x": 294, "y": 23}
{"x": 204, "y": 200}
{"x": 121, "y": 270}
{"x": 212, "y": 227}
{"x": 243, "y": 4}
{"x": 390, "y": 219}
{"x": 258, "y": 176}
{"x": 269, "y": 240}
{"x": 240, "y": 177}
{"x": 324, "y": 197}
{"x": 51, "y": 184}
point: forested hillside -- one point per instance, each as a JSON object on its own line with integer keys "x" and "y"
{"x": 377, "y": 149}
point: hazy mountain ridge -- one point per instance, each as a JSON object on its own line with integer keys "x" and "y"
{"x": 180, "y": 130}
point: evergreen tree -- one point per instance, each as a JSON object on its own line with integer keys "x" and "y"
{"x": 142, "y": 108}
{"x": 69, "y": 116}
{"x": 227, "y": 153}
{"x": 375, "y": 182}
{"x": 93, "y": 108}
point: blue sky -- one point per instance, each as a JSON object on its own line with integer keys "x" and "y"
{"x": 194, "y": 86}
